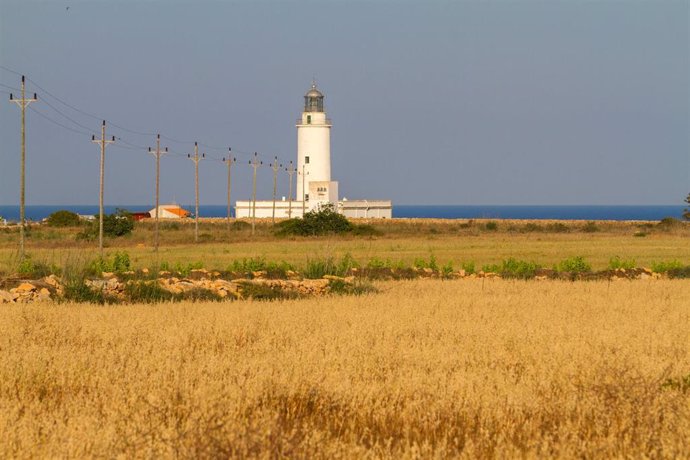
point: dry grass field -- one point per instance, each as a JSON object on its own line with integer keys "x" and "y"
{"x": 426, "y": 368}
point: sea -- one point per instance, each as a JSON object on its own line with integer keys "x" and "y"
{"x": 568, "y": 212}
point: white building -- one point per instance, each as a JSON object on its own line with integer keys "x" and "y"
{"x": 314, "y": 185}
{"x": 169, "y": 211}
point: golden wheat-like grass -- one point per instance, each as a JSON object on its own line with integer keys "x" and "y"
{"x": 426, "y": 368}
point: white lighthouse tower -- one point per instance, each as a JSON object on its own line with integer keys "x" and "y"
{"x": 314, "y": 184}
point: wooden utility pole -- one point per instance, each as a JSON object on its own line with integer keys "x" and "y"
{"x": 255, "y": 163}
{"x": 303, "y": 192}
{"x": 229, "y": 161}
{"x": 157, "y": 153}
{"x": 291, "y": 172}
{"x": 103, "y": 143}
{"x": 196, "y": 159}
{"x": 275, "y": 166}
{"x": 23, "y": 103}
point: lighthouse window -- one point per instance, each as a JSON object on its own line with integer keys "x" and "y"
{"x": 308, "y": 119}
{"x": 306, "y": 197}
{"x": 306, "y": 160}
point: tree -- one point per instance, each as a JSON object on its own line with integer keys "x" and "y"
{"x": 63, "y": 218}
{"x": 686, "y": 214}
{"x": 120, "y": 223}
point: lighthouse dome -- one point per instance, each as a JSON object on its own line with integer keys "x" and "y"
{"x": 313, "y": 100}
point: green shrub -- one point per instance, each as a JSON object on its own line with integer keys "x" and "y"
{"x": 447, "y": 270}
{"x": 76, "y": 290}
{"x": 420, "y": 263}
{"x": 186, "y": 269}
{"x": 616, "y": 263}
{"x": 590, "y": 227}
{"x": 30, "y": 268}
{"x": 491, "y": 226}
{"x": 346, "y": 264}
{"x": 114, "y": 225}
{"x": 574, "y": 265}
{"x": 322, "y": 221}
{"x": 469, "y": 267}
{"x": 491, "y": 268}
{"x": 376, "y": 263}
{"x": 513, "y": 268}
{"x": 318, "y": 268}
{"x": 663, "y": 267}
{"x": 248, "y": 265}
{"x": 63, "y": 218}
{"x": 118, "y": 263}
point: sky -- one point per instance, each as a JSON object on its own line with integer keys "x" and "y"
{"x": 432, "y": 102}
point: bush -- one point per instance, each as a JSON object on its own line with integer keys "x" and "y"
{"x": 322, "y": 221}
{"x": 616, "y": 263}
{"x": 31, "y": 269}
{"x": 520, "y": 269}
{"x": 469, "y": 267}
{"x": 76, "y": 290}
{"x": 318, "y": 268}
{"x": 574, "y": 265}
{"x": 664, "y": 267}
{"x": 118, "y": 263}
{"x": 63, "y": 218}
{"x": 114, "y": 225}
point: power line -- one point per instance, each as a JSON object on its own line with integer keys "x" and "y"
{"x": 114, "y": 125}
{"x": 58, "y": 123}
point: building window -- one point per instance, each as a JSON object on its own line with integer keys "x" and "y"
{"x": 306, "y": 160}
{"x": 308, "y": 119}
{"x": 306, "y": 197}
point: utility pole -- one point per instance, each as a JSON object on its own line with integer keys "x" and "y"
{"x": 275, "y": 166}
{"x": 157, "y": 153}
{"x": 23, "y": 103}
{"x": 255, "y": 163}
{"x": 103, "y": 142}
{"x": 303, "y": 192}
{"x": 196, "y": 159}
{"x": 229, "y": 161}
{"x": 291, "y": 172}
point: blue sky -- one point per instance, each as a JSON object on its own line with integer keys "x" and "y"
{"x": 496, "y": 102}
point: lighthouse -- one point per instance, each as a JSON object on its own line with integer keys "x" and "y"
{"x": 314, "y": 185}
